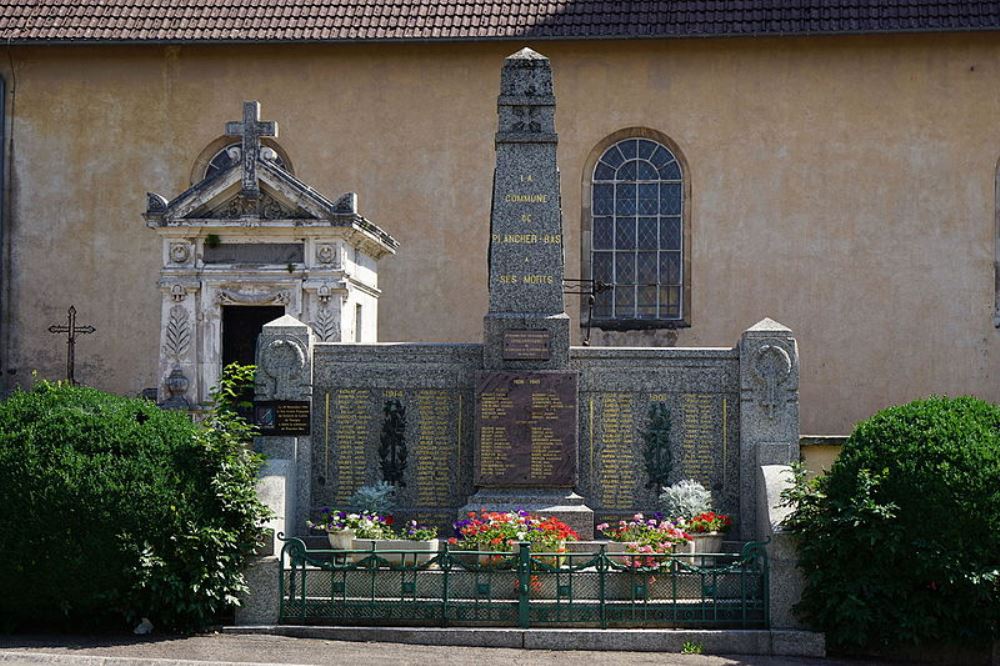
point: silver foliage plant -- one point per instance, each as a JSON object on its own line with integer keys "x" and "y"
{"x": 685, "y": 499}
{"x": 379, "y": 497}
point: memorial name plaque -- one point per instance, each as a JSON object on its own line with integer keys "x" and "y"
{"x": 281, "y": 418}
{"x": 526, "y": 427}
{"x": 531, "y": 345}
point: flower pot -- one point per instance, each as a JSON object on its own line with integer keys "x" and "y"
{"x": 492, "y": 560}
{"x": 417, "y": 552}
{"x": 704, "y": 542}
{"x": 341, "y": 539}
{"x": 550, "y": 560}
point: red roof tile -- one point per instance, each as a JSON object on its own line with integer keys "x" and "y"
{"x": 362, "y": 20}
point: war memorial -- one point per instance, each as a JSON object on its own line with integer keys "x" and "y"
{"x": 524, "y": 420}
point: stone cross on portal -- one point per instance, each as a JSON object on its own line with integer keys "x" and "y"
{"x": 251, "y": 130}
{"x": 71, "y": 329}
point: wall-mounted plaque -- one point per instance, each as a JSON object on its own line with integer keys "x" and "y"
{"x": 281, "y": 418}
{"x": 526, "y": 429}
{"x": 527, "y": 345}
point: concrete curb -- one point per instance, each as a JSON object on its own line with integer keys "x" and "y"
{"x": 780, "y": 643}
{"x": 13, "y": 657}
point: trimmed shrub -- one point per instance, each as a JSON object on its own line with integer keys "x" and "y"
{"x": 900, "y": 541}
{"x": 112, "y": 509}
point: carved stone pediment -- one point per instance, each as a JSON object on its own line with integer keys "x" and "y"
{"x": 238, "y": 206}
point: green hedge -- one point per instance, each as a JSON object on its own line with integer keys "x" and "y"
{"x": 112, "y": 509}
{"x": 900, "y": 541}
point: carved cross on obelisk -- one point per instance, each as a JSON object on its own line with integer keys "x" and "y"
{"x": 71, "y": 330}
{"x": 251, "y": 130}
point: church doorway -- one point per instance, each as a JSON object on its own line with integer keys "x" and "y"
{"x": 241, "y": 324}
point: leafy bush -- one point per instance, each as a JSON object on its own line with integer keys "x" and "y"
{"x": 900, "y": 541}
{"x": 112, "y": 509}
{"x": 378, "y": 497}
{"x": 685, "y": 499}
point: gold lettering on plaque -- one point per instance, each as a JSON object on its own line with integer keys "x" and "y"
{"x": 350, "y": 424}
{"x": 433, "y": 464}
{"x": 618, "y": 459}
{"x": 698, "y": 437}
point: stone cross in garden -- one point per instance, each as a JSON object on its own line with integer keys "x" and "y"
{"x": 71, "y": 330}
{"x": 251, "y": 130}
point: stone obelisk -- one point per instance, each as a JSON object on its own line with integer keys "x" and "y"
{"x": 526, "y": 398}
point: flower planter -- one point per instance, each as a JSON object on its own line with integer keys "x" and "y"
{"x": 493, "y": 560}
{"x": 508, "y": 558}
{"x": 341, "y": 539}
{"x": 422, "y": 551}
{"x": 704, "y": 542}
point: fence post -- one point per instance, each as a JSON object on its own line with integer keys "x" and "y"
{"x": 524, "y": 584}
{"x": 445, "y": 566}
{"x": 602, "y": 572}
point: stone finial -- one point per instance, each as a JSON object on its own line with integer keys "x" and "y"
{"x": 347, "y": 204}
{"x": 526, "y": 54}
{"x": 155, "y": 203}
{"x": 769, "y": 325}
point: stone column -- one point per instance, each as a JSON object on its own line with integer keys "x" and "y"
{"x": 769, "y": 410}
{"x": 284, "y": 372}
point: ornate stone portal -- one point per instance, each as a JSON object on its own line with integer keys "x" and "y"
{"x": 255, "y": 235}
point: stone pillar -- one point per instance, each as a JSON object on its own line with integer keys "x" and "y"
{"x": 178, "y": 386}
{"x": 769, "y": 410}
{"x": 284, "y": 373}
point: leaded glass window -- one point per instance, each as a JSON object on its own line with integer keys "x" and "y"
{"x": 637, "y": 232}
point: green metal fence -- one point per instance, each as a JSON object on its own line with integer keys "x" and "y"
{"x": 524, "y": 588}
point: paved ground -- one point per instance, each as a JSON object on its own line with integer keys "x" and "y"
{"x": 282, "y": 650}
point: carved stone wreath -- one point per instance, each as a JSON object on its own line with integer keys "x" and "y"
{"x": 179, "y": 253}
{"x": 771, "y": 367}
{"x": 326, "y": 253}
{"x": 284, "y": 360}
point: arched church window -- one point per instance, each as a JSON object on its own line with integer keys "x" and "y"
{"x": 230, "y": 155}
{"x": 637, "y": 235}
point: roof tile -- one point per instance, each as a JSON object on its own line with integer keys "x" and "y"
{"x": 359, "y": 20}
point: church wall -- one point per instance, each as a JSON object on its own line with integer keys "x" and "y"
{"x": 843, "y": 186}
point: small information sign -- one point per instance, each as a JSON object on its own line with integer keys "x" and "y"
{"x": 281, "y": 418}
{"x": 527, "y": 345}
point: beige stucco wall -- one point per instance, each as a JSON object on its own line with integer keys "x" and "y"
{"x": 842, "y": 186}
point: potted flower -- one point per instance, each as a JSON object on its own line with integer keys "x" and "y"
{"x": 648, "y": 537}
{"x": 420, "y": 540}
{"x": 706, "y": 531}
{"x": 344, "y": 529}
{"x": 501, "y": 532}
{"x": 690, "y": 504}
